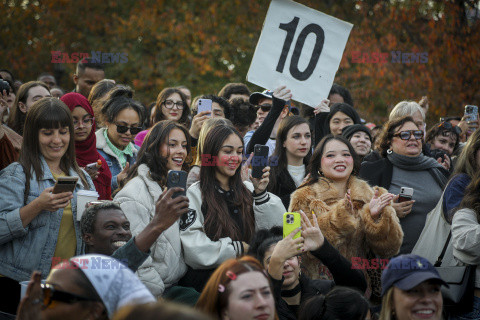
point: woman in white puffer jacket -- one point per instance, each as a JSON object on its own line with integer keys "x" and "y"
{"x": 165, "y": 148}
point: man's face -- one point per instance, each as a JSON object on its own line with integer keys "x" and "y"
{"x": 110, "y": 232}
{"x": 217, "y": 111}
{"x": 86, "y": 80}
{"x": 49, "y": 81}
{"x": 264, "y": 106}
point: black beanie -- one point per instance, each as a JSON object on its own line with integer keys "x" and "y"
{"x": 348, "y": 132}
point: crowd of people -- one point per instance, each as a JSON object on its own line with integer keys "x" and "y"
{"x": 216, "y": 249}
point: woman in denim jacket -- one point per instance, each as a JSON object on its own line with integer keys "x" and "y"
{"x": 35, "y": 224}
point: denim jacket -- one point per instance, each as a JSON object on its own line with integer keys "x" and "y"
{"x": 111, "y": 158}
{"x": 23, "y": 250}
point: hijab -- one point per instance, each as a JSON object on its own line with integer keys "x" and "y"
{"x": 86, "y": 151}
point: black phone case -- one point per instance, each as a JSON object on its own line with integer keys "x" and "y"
{"x": 260, "y": 160}
{"x": 177, "y": 179}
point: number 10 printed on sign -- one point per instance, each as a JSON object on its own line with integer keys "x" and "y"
{"x": 301, "y": 48}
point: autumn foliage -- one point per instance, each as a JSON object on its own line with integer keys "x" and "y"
{"x": 204, "y": 44}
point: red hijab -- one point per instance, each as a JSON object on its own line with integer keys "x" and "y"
{"x": 86, "y": 150}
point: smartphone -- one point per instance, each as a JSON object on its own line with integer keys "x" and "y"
{"x": 177, "y": 179}
{"x": 92, "y": 167}
{"x": 204, "y": 105}
{"x": 471, "y": 113}
{"x": 291, "y": 221}
{"x": 259, "y": 160}
{"x": 405, "y": 194}
{"x": 65, "y": 184}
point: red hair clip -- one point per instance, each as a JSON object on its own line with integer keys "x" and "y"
{"x": 231, "y": 275}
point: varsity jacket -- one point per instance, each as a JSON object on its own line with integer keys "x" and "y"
{"x": 202, "y": 253}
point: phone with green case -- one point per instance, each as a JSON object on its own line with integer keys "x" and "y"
{"x": 291, "y": 221}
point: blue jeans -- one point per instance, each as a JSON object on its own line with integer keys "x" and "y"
{"x": 474, "y": 314}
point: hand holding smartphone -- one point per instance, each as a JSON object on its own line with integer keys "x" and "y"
{"x": 65, "y": 184}
{"x": 405, "y": 194}
{"x": 177, "y": 179}
{"x": 259, "y": 161}
{"x": 291, "y": 221}
{"x": 205, "y": 105}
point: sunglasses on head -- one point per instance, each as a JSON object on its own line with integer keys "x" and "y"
{"x": 51, "y": 294}
{"x": 265, "y": 107}
{"x": 123, "y": 129}
{"x": 447, "y": 126}
{"x": 405, "y": 135}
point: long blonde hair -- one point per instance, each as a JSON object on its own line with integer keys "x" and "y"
{"x": 387, "y": 306}
{"x": 466, "y": 161}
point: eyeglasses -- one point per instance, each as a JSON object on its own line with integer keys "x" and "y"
{"x": 405, "y": 135}
{"x": 123, "y": 129}
{"x": 265, "y": 107}
{"x": 87, "y": 122}
{"x": 169, "y": 104}
{"x": 448, "y": 127}
{"x": 51, "y": 294}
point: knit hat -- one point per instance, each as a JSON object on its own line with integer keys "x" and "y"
{"x": 349, "y": 131}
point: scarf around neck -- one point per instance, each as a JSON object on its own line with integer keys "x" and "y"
{"x": 419, "y": 163}
{"x": 121, "y": 154}
{"x": 86, "y": 150}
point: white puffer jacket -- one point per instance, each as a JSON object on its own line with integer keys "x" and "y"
{"x": 166, "y": 264}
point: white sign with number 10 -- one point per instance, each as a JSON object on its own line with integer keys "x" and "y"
{"x": 301, "y": 48}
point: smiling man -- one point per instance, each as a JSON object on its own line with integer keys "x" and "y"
{"x": 87, "y": 74}
{"x": 106, "y": 230}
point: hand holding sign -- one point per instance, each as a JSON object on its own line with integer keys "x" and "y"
{"x": 282, "y": 93}
{"x": 301, "y": 48}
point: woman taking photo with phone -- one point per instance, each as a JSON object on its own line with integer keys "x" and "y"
{"x": 224, "y": 211}
{"x": 165, "y": 148}
{"x": 280, "y": 257}
{"x": 123, "y": 118}
{"x": 36, "y": 224}
{"x": 85, "y": 144}
{"x": 355, "y": 218}
{"x": 292, "y": 152}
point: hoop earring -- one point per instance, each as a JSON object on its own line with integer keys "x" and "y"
{"x": 320, "y": 173}
{"x": 389, "y": 151}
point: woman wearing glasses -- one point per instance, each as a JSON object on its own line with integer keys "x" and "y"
{"x": 91, "y": 287}
{"x": 404, "y": 165}
{"x": 123, "y": 118}
{"x": 86, "y": 143}
{"x": 171, "y": 105}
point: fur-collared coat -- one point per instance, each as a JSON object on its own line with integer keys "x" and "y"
{"x": 354, "y": 235}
